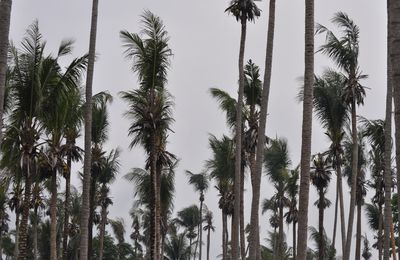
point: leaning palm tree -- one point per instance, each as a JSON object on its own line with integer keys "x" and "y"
{"x": 150, "y": 105}
{"x": 320, "y": 178}
{"x": 243, "y": 11}
{"x": 208, "y": 219}
{"x": 344, "y": 52}
{"x": 84, "y": 253}
{"x": 306, "y": 130}
{"x": 5, "y": 14}
{"x": 200, "y": 184}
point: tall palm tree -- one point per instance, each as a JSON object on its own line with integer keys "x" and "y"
{"x": 320, "y": 178}
{"x": 332, "y": 112}
{"x": 208, "y": 219}
{"x": 306, "y": 130}
{"x": 254, "y": 240}
{"x": 84, "y": 253}
{"x": 243, "y": 11}
{"x": 5, "y": 15}
{"x": 344, "y": 52}
{"x": 200, "y": 184}
{"x": 292, "y": 213}
{"x": 150, "y": 105}
{"x": 108, "y": 173}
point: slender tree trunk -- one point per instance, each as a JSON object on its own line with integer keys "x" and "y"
{"x": 1, "y": 247}
{"x": 53, "y": 216}
{"x": 306, "y": 131}
{"x": 238, "y": 148}
{"x": 85, "y": 211}
{"x": 5, "y": 15}
{"x": 354, "y": 176}
{"x": 388, "y": 147}
{"x": 66, "y": 208}
{"x": 242, "y": 225}
{"x": 275, "y": 249}
{"x": 200, "y": 225}
{"x": 393, "y": 239}
{"x": 321, "y": 251}
{"x": 158, "y": 214}
{"x": 358, "y": 235}
{"x": 254, "y": 240}
{"x": 224, "y": 237}
{"x": 102, "y": 231}
{"x": 280, "y": 234}
{"x": 341, "y": 202}
{"x": 35, "y": 233}
{"x": 336, "y": 215}
{"x": 394, "y": 51}
{"x": 23, "y": 226}
{"x": 379, "y": 239}
{"x": 294, "y": 240}
{"x": 92, "y": 195}
{"x": 208, "y": 244}
{"x": 16, "y": 244}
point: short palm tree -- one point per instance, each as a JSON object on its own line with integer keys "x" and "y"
{"x": 243, "y": 11}
{"x": 189, "y": 219}
{"x": 208, "y": 219}
{"x": 344, "y": 52}
{"x": 200, "y": 184}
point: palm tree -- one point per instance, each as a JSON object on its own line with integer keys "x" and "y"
{"x": 176, "y": 247}
{"x": 366, "y": 254}
{"x": 272, "y": 204}
{"x": 4, "y": 217}
{"x": 5, "y": 14}
{"x": 208, "y": 219}
{"x": 277, "y": 162}
{"x": 328, "y": 251}
{"x": 107, "y": 175}
{"x": 85, "y": 213}
{"x": 200, "y": 184}
{"x": 243, "y": 11}
{"x": 344, "y": 52}
{"x": 306, "y": 130}
{"x": 292, "y": 213}
{"x": 254, "y": 241}
{"x": 189, "y": 219}
{"x": 320, "y": 178}
{"x": 150, "y": 105}
{"x": 332, "y": 112}
{"x": 118, "y": 228}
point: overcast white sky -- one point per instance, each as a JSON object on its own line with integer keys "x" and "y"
{"x": 205, "y": 43}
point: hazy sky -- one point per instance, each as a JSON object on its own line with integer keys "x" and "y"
{"x": 205, "y": 43}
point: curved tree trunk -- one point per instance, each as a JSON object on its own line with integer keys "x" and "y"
{"x": 358, "y": 234}
{"x": 5, "y": 15}
{"x": 66, "y": 208}
{"x": 238, "y": 147}
{"x": 341, "y": 202}
{"x": 23, "y": 225}
{"x": 254, "y": 240}
{"x": 306, "y": 131}
{"x": 354, "y": 177}
{"x": 388, "y": 148}
{"x": 53, "y": 216}
{"x": 88, "y": 135}
{"x": 321, "y": 251}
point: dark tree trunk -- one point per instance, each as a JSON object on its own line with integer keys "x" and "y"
{"x": 294, "y": 240}
{"x": 242, "y": 225}
{"x": 224, "y": 236}
{"x": 53, "y": 216}
{"x": 85, "y": 212}
{"x": 280, "y": 234}
{"x": 35, "y": 233}
{"x": 321, "y": 251}
{"x": 306, "y": 131}
{"x": 358, "y": 235}
{"x": 379, "y": 239}
{"x": 17, "y": 217}
{"x": 102, "y": 229}
{"x": 66, "y": 208}
{"x": 341, "y": 202}
{"x": 336, "y": 215}
{"x": 254, "y": 240}
{"x": 91, "y": 216}
{"x": 208, "y": 244}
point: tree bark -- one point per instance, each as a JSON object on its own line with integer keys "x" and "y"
{"x": 88, "y": 135}
{"x": 35, "y": 234}
{"x": 208, "y": 244}
{"x": 280, "y": 233}
{"x": 66, "y": 208}
{"x": 321, "y": 251}
{"x": 254, "y": 240}
{"x": 358, "y": 235}
{"x": 354, "y": 177}
{"x": 53, "y": 216}
{"x": 306, "y": 131}
{"x": 379, "y": 239}
{"x": 102, "y": 229}
{"x": 5, "y": 15}
{"x": 200, "y": 225}
{"x": 388, "y": 147}
{"x": 336, "y": 215}
{"x": 393, "y": 239}
{"x": 16, "y": 244}
{"x": 341, "y": 202}
{"x": 92, "y": 195}
{"x": 242, "y": 225}
{"x": 224, "y": 237}
{"x": 294, "y": 240}
{"x": 238, "y": 146}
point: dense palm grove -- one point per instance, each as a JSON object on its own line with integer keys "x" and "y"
{"x": 46, "y": 107}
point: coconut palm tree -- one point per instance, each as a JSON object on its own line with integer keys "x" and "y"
{"x": 108, "y": 173}
{"x": 254, "y": 241}
{"x": 176, "y": 247}
{"x": 277, "y": 162}
{"x": 189, "y": 219}
{"x": 332, "y": 112}
{"x": 306, "y": 130}
{"x": 329, "y": 251}
{"x": 208, "y": 219}
{"x": 5, "y": 14}
{"x": 118, "y": 227}
{"x": 150, "y": 105}
{"x": 292, "y": 214}
{"x": 320, "y": 178}
{"x": 272, "y": 205}
{"x": 243, "y": 11}
{"x": 200, "y": 184}
{"x": 344, "y": 52}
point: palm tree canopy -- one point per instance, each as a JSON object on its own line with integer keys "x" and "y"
{"x": 243, "y": 10}
{"x": 277, "y": 160}
{"x": 320, "y": 172}
{"x": 199, "y": 181}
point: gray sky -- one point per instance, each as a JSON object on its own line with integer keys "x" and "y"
{"x": 205, "y": 43}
